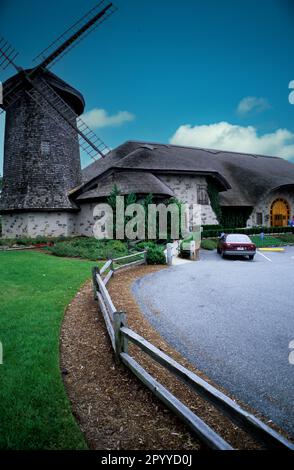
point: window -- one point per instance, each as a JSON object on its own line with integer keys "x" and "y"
{"x": 45, "y": 147}
{"x": 259, "y": 220}
{"x": 202, "y": 196}
{"x": 237, "y": 238}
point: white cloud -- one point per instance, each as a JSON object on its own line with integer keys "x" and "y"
{"x": 98, "y": 118}
{"x": 226, "y": 136}
{"x": 252, "y": 103}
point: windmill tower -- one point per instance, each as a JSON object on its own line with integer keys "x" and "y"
{"x": 43, "y": 136}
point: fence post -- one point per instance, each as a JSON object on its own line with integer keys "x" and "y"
{"x": 193, "y": 250}
{"x": 145, "y": 257}
{"x": 169, "y": 254}
{"x": 121, "y": 343}
{"x": 95, "y": 271}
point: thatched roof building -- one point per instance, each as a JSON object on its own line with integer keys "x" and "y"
{"x": 244, "y": 181}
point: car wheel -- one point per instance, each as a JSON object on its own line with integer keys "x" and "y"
{"x": 218, "y": 251}
{"x": 251, "y": 257}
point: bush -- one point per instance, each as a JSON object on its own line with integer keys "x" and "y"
{"x": 155, "y": 255}
{"x": 209, "y": 244}
{"x": 146, "y": 245}
{"x": 90, "y": 248}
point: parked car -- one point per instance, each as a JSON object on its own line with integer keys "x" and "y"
{"x": 235, "y": 244}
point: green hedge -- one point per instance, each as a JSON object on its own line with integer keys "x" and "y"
{"x": 90, "y": 248}
{"x": 211, "y": 233}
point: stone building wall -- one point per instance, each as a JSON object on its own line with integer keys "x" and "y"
{"x": 264, "y": 207}
{"x": 33, "y": 224}
{"x": 85, "y": 220}
{"x": 186, "y": 189}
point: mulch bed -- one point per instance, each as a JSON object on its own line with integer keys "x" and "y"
{"x": 113, "y": 409}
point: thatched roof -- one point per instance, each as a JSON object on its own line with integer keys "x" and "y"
{"x": 242, "y": 178}
{"x": 72, "y": 96}
{"x": 127, "y": 182}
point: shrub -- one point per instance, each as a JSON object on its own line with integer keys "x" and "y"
{"x": 209, "y": 244}
{"x": 146, "y": 244}
{"x": 90, "y": 248}
{"x": 156, "y": 255}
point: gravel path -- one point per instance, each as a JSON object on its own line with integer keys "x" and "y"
{"x": 233, "y": 319}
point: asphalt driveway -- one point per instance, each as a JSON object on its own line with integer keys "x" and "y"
{"x": 233, "y": 319}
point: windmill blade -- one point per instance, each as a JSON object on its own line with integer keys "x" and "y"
{"x": 10, "y": 98}
{"x": 43, "y": 94}
{"x": 7, "y": 55}
{"x": 75, "y": 34}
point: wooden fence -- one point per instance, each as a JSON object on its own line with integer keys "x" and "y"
{"x": 120, "y": 336}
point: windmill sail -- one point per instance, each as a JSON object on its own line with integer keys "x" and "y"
{"x": 75, "y": 34}
{"x": 7, "y": 55}
{"x": 41, "y": 92}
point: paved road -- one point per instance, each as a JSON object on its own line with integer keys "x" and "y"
{"x": 233, "y": 319}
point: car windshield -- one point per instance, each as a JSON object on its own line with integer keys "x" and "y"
{"x": 238, "y": 238}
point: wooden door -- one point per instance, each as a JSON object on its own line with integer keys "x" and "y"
{"x": 280, "y": 213}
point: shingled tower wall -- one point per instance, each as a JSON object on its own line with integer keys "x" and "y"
{"x": 41, "y": 165}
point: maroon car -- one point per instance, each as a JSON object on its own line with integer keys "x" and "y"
{"x": 236, "y": 244}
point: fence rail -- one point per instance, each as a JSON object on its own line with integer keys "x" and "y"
{"x": 120, "y": 336}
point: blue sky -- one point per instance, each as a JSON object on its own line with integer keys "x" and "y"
{"x": 206, "y": 73}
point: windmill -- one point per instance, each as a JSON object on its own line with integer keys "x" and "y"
{"x": 43, "y": 127}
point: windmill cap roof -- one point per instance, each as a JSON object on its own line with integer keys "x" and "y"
{"x": 71, "y": 96}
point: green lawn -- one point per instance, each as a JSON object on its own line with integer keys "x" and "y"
{"x": 34, "y": 409}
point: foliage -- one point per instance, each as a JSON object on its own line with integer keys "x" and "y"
{"x": 213, "y": 195}
{"x": 235, "y": 216}
{"x": 248, "y": 231}
{"x": 34, "y": 408}
{"x": 146, "y": 245}
{"x": 144, "y": 202}
{"x": 210, "y": 244}
{"x": 267, "y": 241}
{"x": 155, "y": 255}
{"x": 287, "y": 238}
{"x": 90, "y": 248}
{"x": 27, "y": 241}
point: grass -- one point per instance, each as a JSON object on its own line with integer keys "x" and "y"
{"x": 34, "y": 410}
{"x": 267, "y": 241}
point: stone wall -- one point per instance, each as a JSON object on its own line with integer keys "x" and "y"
{"x": 264, "y": 207}
{"x": 85, "y": 220}
{"x": 185, "y": 189}
{"x": 33, "y": 224}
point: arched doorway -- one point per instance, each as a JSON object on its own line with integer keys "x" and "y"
{"x": 280, "y": 213}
